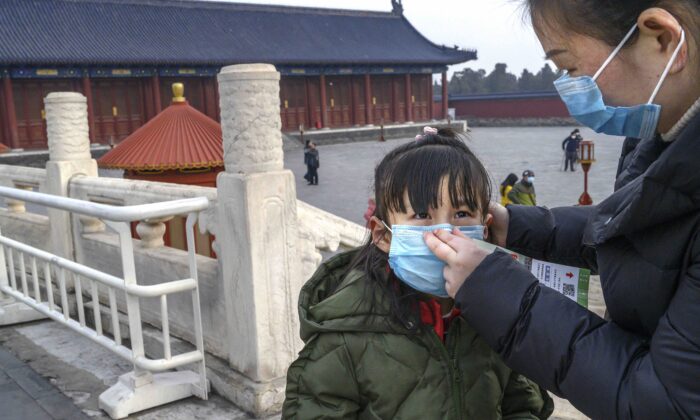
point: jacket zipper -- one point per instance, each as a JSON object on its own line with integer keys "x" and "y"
{"x": 452, "y": 367}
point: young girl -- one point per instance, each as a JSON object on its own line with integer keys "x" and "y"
{"x": 383, "y": 341}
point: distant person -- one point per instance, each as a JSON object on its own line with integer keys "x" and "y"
{"x": 507, "y": 187}
{"x": 570, "y": 147}
{"x": 306, "y": 159}
{"x": 312, "y": 164}
{"x": 523, "y": 192}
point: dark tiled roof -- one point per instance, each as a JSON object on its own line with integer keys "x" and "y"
{"x": 175, "y": 32}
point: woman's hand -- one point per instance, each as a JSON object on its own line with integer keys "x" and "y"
{"x": 499, "y": 226}
{"x": 461, "y": 254}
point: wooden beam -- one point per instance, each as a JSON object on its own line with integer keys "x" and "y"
{"x": 10, "y": 111}
{"x": 368, "y": 99}
{"x": 87, "y": 91}
{"x": 445, "y": 103}
{"x": 430, "y": 96}
{"x": 409, "y": 98}
{"x": 324, "y": 114}
{"x": 156, "y": 93}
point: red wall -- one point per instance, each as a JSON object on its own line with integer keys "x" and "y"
{"x": 510, "y": 108}
{"x": 542, "y": 107}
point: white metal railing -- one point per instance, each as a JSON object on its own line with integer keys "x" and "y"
{"x": 142, "y": 388}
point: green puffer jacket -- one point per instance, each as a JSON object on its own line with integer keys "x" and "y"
{"x": 523, "y": 195}
{"x": 357, "y": 363}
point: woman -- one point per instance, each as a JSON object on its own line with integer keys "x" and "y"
{"x": 643, "y": 240}
{"x": 507, "y": 187}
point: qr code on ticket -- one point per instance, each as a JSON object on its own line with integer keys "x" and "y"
{"x": 569, "y": 290}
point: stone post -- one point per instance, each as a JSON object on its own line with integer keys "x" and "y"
{"x": 258, "y": 236}
{"x": 68, "y": 131}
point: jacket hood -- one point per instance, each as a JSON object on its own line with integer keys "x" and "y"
{"x": 336, "y": 299}
{"x": 663, "y": 184}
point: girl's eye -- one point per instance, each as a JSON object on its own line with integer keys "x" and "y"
{"x": 421, "y": 216}
{"x": 461, "y": 214}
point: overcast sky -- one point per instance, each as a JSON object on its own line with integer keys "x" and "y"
{"x": 494, "y": 27}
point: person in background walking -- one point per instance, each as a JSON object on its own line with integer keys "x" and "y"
{"x": 312, "y": 164}
{"x": 523, "y": 192}
{"x": 506, "y": 187}
{"x": 570, "y": 147}
{"x": 307, "y": 147}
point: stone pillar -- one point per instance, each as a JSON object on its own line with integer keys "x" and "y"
{"x": 258, "y": 236}
{"x": 69, "y": 155}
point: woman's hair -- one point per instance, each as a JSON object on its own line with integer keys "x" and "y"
{"x": 607, "y": 20}
{"x": 510, "y": 180}
{"x": 417, "y": 170}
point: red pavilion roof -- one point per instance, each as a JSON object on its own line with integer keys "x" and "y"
{"x": 180, "y": 137}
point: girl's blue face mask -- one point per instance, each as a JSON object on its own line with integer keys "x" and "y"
{"x": 414, "y": 263}
{"x": 584, "y": 101}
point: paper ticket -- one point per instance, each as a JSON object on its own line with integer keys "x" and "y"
{"x": 572, "y": 282}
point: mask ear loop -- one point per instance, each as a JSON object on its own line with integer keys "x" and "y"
{"x": 615, "y": 52}
{"x": 387, "y": 227}
{"x": 668, "y": 67}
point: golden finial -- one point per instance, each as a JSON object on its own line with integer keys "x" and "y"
{"x": 178, "y": 92}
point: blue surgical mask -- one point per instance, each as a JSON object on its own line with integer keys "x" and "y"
{"x": 414, "y": 263}
{"x": 584, "y": 100}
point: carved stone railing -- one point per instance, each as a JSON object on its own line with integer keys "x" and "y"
{"x": 24, "y": 178}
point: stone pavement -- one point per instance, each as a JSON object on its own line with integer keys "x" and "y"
{"x": 25, "y": 394}
{"x": 79, "y": 371}
{"x": 345, "y": 176}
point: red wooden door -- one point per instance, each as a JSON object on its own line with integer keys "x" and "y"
{"x": 29, "y": 97}
{"x": 358, "y": 99}
{"x": 293, "y": 103}
{"x": 399, "y": 98}
{"x": 313, "y": 95}
{"x": 118, "y": 108}
{"x": 382, "y": 99}
{"x": 420, "y": 87}
{"x": 339, "y": 101}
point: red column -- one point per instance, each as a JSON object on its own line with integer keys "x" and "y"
{"x": 409, "y": 99}
{"x": 430, "y": 96}
{"x": 445, "y": 98}
{"x": 87, "y": 91}
{"x": 324, "y": 115}
{"x": 156, "y": 93}
{"x": 10, "y": 111}
{"x": 368, "y": 99}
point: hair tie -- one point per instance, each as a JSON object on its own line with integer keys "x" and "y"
{"x": 427, "y": 131}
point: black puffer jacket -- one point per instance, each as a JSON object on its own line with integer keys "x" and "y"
{"x": 643, "y": 240}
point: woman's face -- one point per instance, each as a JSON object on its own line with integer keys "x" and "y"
{"x": 633, "y": 74}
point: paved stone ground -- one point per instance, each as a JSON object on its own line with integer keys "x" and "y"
{"x": 47, "y": 371}
{"x": 345, "y": 176}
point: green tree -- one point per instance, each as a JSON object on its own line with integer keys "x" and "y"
{"x": 500, "y": 80}
{"x": 527, "y": 82}
{"x": 546, "y": 77}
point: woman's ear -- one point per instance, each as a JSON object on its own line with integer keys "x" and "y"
{"x": 661, "y": 32}
{"x": 487, "y": 224}
{"x": 381, "y": 237}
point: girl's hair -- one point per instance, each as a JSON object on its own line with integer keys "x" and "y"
{"x": 416, "y": 170}
{"x": 607, "y": 20}
{"x": 510, "y": 180}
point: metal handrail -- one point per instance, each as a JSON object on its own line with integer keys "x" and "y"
{"x": 108, "y": 212}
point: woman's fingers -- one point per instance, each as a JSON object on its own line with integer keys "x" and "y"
{"x": 439, "y": 246}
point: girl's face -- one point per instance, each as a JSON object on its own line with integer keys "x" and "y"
{"x": 633, "y": 74}
{"x": 444, "y": 213}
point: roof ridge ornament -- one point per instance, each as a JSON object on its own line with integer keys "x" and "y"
{"x": 397, "y": 7}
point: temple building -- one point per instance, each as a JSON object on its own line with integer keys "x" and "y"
{"x": 340, "y": 68}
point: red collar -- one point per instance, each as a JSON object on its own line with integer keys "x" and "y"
{"x": 431, "y": 314}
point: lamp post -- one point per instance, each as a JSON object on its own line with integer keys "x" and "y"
{"x": 587, "y": 157}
